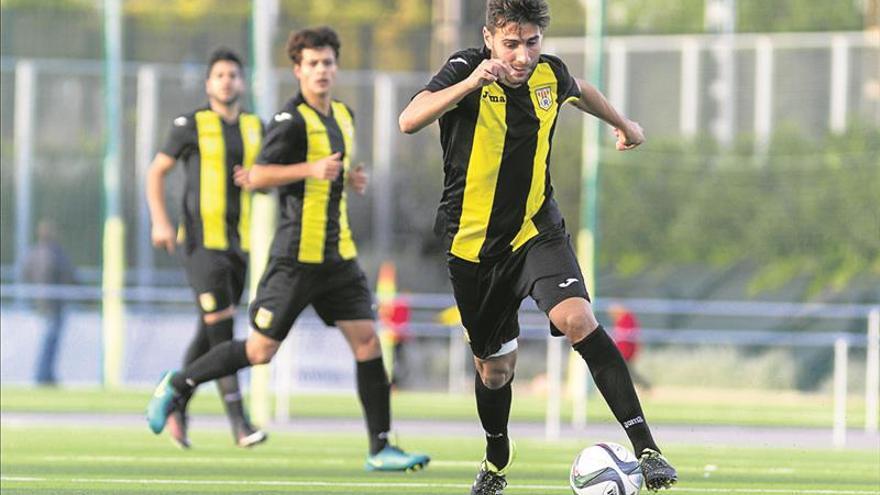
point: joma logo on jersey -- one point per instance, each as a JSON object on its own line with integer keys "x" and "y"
{"x": 545, "y": 97}
{"x": 494, "y": 98}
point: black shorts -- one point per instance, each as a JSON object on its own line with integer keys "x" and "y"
{"x": 489, "y": 293}
{"x": 337, "y": 291}
{"x": 217, "y": 277}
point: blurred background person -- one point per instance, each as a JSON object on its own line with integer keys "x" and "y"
{"x": 214, "y": 233}
{"x": 627, "y": 336}
{"x": 48, "y": 264}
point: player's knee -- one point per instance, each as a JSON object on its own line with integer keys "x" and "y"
{"x": 495, "y": 378}
{"x": 367, "y": 347}
{"x": 218, "y": 316}
{"x": 577, "y": 324}
{"x": 260, "y": 353}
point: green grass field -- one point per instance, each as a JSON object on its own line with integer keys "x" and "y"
{"x": 127, "y": 460}
{"x": 118, "y": 459}
{"x": 662, "y": 405}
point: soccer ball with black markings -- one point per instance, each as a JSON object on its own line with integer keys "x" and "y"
{"x": 606, "y": 469}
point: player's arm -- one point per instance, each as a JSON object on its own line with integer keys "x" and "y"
{"x": 358, "y": 178}
{"x": 429, "y": 106}
{"x": 629, "y": 133}
{"x": 162, "y": 234}
{"x": 266, "y": 175}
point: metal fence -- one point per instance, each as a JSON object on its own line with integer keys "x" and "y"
{"x": 52, "y": 132}
{"x": 158, "y": 323}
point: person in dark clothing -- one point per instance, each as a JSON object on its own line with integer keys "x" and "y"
{"x": 48, "y": 264}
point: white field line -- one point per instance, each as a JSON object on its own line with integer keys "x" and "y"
{"x": 343, "y": 484}
{"x": 286, "y": 461}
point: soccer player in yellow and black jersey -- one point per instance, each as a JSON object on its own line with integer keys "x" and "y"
{"x": 215, "y": 229}
{"x": 307, "y": 155}
{"x": 498, "y": 106}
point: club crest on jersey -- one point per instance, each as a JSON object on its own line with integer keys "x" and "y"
{"x": 207, "y": 302}
{"x": 544, "y": 96}
{"x": 263, "y": 318}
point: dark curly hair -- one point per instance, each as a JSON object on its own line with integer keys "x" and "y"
{"x": 501, "y": 12}
{"x": 220, "y": 54}
{"x": 311, "y": 38}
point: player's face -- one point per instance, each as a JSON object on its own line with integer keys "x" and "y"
{"x": 517, "y": 44}
{"x": 317, "y": 70}
{"x": 225, "y": 83}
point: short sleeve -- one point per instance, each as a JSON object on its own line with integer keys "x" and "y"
{"x": 285, "y": 140}
{"x": 180, "y": 137}
{"x": 456, "y": 69}
{"x": 567, "y": 86}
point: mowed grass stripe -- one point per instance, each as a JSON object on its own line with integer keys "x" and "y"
{"x": 663, "y": 405}
{"x": 56, "y": 455}
{"x": 400, "y": 485}
{"x": 288, "y": 461}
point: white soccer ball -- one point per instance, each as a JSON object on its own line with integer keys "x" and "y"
{"x": 606, "y": 469}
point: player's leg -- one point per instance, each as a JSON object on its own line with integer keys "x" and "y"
{"x": 488, "y": 301}
{"x": 218, "y": 280}
{"x": 574, "y": 317}
{"x": 221, "y": 329}
{"x": 345, "y": 300}
{"x": 374, "y": 392}
{"x": 178, "y": 422}
{"x": 559, "y": 291}
{"x": 494, "y": 395}
{"x": 197, "y": 264}
{"x": 198, "y": 345}
{"x": 273, "y": 312}
{"x": 372, "y": 382}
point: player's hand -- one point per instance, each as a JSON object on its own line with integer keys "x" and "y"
{"x": 358, "y": 178}
{"x": 242, "y": 177}
{"x": 163, "y": 236}
{"x": 489, "y": 71}
{"x": 630, "y": 136}
{"x": 326, "y": 168}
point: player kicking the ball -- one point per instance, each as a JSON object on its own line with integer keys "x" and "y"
{"x": 497, "y": 106}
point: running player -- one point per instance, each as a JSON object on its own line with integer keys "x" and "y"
{"x": 307, "y": 154}
{"x": 214, "y": 231}
{"x": 497, "y": 106}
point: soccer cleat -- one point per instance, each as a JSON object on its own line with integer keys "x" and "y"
{"x": 176, "y": 424}
{"x": 246, "y": 436}
{"x": 657, "y": 471}
{"x": 162, "y": 403}
{"x": 392, "y": 458}
{"x": 491, "y": 480}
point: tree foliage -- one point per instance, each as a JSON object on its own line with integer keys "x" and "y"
{"x": 808, "y": 208}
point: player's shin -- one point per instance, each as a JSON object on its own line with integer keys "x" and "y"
{"x": 222, "y": 360}
{"x": 612, "y": 378}
{"x": 493, "y": 407}
{"x": 374, "y": 392}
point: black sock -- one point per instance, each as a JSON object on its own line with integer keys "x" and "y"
{"x": 222, "y": 360}
{"x": 232, "y": 402}
{"x": 218, "y": 333}
{"x": 198, "y": 345}
{"x": 612, "y": 379}
{"x": 493, "y": 406}
{"x": 375, "y": 394}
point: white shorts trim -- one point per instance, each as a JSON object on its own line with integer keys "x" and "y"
{"x": 506, "y": 348}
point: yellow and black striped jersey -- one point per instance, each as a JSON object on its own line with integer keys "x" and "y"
{"x": 216, "y": 212}
{"x": 314, "y": 217}
{"x": 496, "y": 150}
